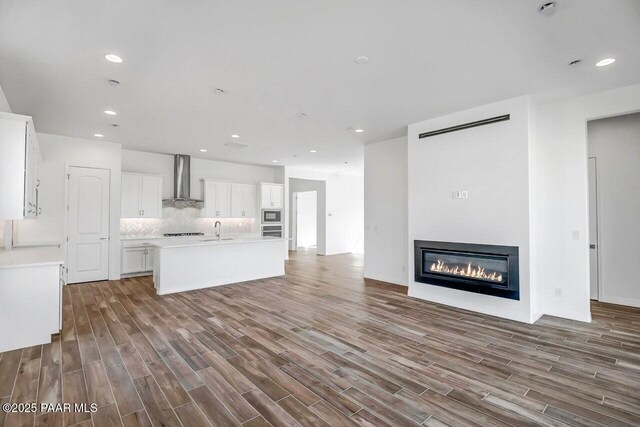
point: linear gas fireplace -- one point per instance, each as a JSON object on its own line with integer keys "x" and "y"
{"x": 485, "y": 269}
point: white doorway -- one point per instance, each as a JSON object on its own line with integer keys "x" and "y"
{"x": 305, "y": 219}
{"x": 88, "y": 231}
{"x": 593, "y": 228}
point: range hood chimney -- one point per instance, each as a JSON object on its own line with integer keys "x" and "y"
{"x": 182, "y": 184}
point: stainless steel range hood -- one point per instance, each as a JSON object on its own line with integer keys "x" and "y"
{"x": 182, "y": 185}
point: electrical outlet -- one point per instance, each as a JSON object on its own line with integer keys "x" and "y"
{"x": 558, "y": 292}
{"x": 456, "y": 195}
{"x": 464, "y": 194}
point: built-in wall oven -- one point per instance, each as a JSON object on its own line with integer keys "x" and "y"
{"x": 272, "y": 216}
{"x": 272, "y": 231}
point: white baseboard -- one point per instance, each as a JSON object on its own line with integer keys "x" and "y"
{"x": 631, "y": 302}
{"x": 394, "y": 280}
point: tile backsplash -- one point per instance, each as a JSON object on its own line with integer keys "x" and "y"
{"x": 183, "y": 220}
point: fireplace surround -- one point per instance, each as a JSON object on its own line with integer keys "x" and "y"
{"x": 485, "y": 269}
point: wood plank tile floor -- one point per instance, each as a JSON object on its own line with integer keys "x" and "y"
{"x": 320, "y": 347}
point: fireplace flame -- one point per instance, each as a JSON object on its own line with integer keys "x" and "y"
{"x": 469, "y": 271}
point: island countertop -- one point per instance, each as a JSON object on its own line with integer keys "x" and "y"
{"x": 212, "y": 241}
{"x": 187, "y": 264}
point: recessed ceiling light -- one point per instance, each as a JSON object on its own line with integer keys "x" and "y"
{"x": 98, "y": 135}
{"x": 235, "y": 136}
{"x": 219, "y": 91}
{"x": 313, "y": 151}
{"x": 605, "y": 62}
{"x": 110, "y": 112}
{"x": 359, "y": 130}
{"x": 115, "y": 125}
{"x": 202, "y": 150}
{"x": 113, "y": 82}
{"x": 362, "y": 60}
{"x": 575, "y": 62}
{"x": 274, "y": 161}
{"x": 304, "y": 115}
{"x": 113, "y": 58}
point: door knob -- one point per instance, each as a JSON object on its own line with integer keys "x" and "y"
{"x": 103, "y": 238}
{"x": 592, "y": 246}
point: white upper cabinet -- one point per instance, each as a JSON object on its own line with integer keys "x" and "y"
{"x": 249, "y": 200}
{"x": 131, "y": 189}
{"x": 19, "y": 168}
{"x": 217, "y": 199}
{"x": 243, "y": 200}
{"x": 151, "y": 196}
{"x": 141, "y": 196}
{"x": 272, "y": 196}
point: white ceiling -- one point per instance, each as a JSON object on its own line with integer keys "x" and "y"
{"x": 277, "y": 59}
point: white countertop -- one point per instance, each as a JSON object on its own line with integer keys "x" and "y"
{"x": 28, "y": 257}
{"x": 142, "y": 237}
{"x": 212, "y": 241}
{"x": 134, "y": 237}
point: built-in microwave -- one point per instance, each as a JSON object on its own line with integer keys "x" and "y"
{"x": 271, "y": 216}
{"x": 271, "y": 231}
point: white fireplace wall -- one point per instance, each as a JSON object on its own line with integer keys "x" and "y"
{"x": 490, "y": 162}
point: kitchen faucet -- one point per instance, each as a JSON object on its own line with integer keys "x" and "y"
{"x": 218, "y": 231}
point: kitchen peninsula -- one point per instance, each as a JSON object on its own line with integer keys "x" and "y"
{"x": 188, "y": 264}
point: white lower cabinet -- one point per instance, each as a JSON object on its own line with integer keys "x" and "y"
{"x": 137, "y": 257}
{"x": 30, "y": 305}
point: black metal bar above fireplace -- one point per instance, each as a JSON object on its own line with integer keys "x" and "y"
{"x": 484, "y": 269}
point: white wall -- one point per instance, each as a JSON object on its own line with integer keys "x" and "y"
{"x": 385, "y": 211}
{"x": 615, "y": 143}
{"x": 344, "y": 208}
{"x": 140, "y": 161}
{"x": 307, "y": 219}
{"x": 562, "y": 136}
{"x": 57, "y": 153}
{"x": 492, "y": 163}
{"x": 4, "y": 107}
{"x": 4, "y": 104}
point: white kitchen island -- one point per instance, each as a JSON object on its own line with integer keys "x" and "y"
{"x": 188, "y": 264}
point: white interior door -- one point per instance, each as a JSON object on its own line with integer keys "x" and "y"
{"x": 593, "y": 228}
{"x": 306, "y": 219}
{"x": 88, "y": 224}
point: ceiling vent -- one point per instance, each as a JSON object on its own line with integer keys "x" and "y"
{"x": 236, "y": 144}
{"x": 464, "y": 126}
